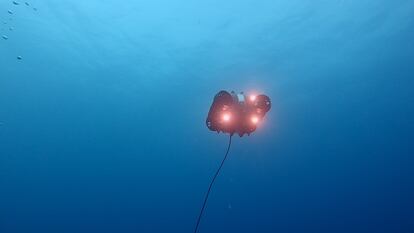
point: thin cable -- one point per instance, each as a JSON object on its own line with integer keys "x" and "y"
{"x": 211, "y": 185}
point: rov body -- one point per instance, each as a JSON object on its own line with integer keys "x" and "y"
{"x": 237, "y": 113}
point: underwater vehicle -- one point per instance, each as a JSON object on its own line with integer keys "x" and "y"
{"x": 236, "y": 113}
{"x": 233, "y": 113}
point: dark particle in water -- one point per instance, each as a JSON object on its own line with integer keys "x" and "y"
{"x": 16, "y": 3}
{"x": 27, "y": 4}
{"x": 5, "y": 37}
{"x": 10, "y": 12}
{"x": 19, "y": 58}
{"x": 11, "y": 28}
{"x": 34, "y": 8}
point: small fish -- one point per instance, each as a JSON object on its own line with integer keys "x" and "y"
{"x": 19, "y": 58}
{"x": 5, "y": 37}
{"x": 16, "y": 3}
{"x": 10, "y": 12}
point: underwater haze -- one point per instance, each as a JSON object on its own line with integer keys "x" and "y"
{"x": 103, "y": 107}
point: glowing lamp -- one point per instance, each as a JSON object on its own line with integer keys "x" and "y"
{"x": 226, "y": 117}
{"x": 254, "y": 119}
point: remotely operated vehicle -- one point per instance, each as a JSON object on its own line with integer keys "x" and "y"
{"x": 237, "y": 113}
{"x": 233, "y": 113}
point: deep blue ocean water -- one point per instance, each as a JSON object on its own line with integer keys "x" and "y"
{"x": 103, "y": 107}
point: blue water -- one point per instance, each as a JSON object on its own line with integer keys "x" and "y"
{"x": 103, "y": 107}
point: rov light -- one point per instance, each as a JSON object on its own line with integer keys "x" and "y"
{"x": 252, "y": 98}
{"x": 226, "y": 117}
{"x": 254, "y": 119}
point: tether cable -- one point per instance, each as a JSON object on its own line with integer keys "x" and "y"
{"x": 211, "y": 185}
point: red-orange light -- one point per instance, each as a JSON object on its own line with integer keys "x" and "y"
{"x": 252, "y": 97}
{"x": 226, "y": 117}
{"x": 254, "y": 119}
